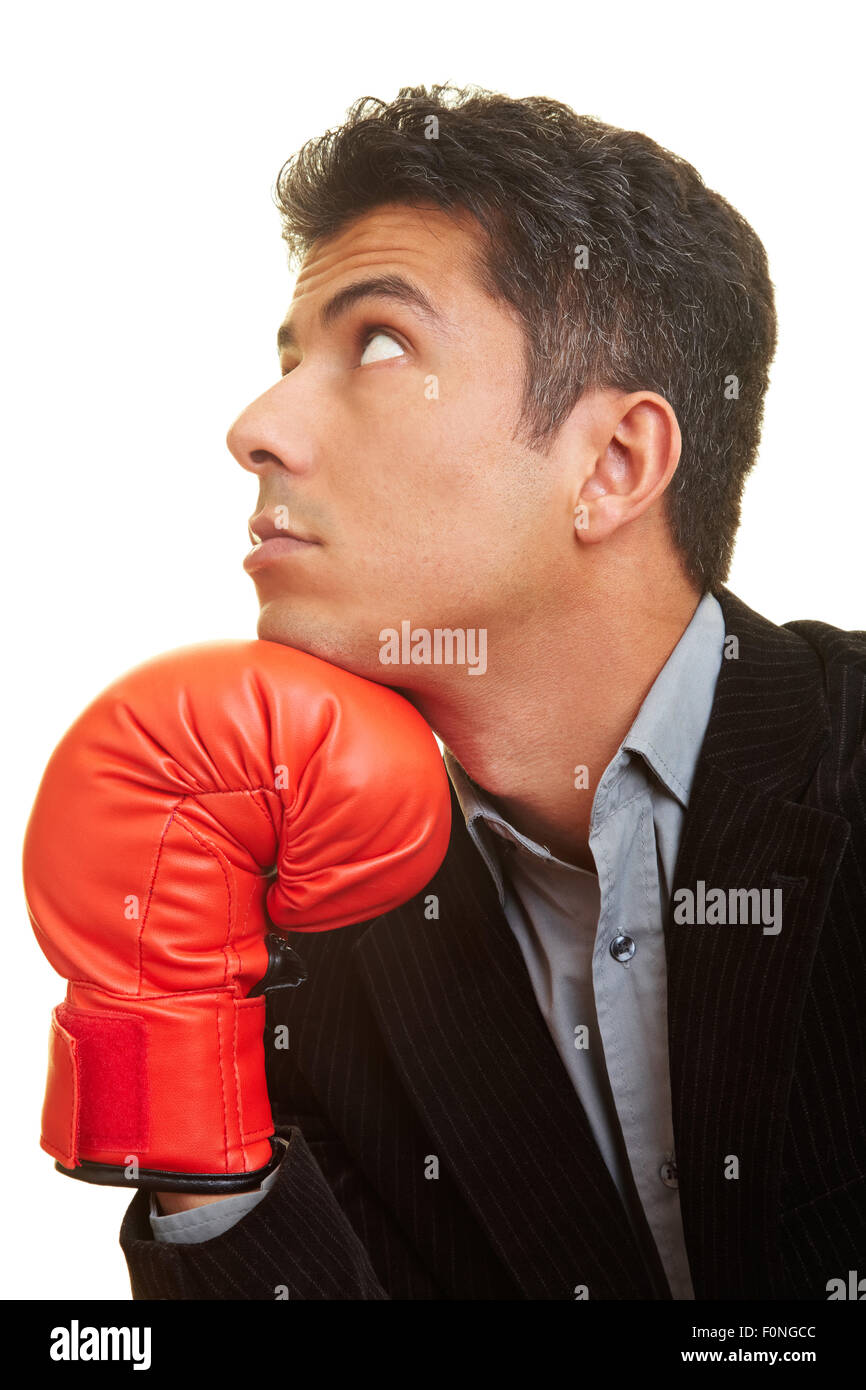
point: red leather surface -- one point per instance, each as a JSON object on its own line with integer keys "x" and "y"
{"x": 60, "y": 1107}
{"x": 148, "y": 863}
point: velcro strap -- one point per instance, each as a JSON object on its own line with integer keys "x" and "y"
{"x": 96, "y": 1093}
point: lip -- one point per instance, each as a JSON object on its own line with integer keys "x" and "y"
{"x": 262, "y": 527}
{"x": 273, "y": 549}
{"x": 273, "y": 543}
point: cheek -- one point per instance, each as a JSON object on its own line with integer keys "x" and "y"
{"x": 429, "y": 483}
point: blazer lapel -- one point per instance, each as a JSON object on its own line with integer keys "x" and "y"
{"x": 735, "y": 994}
{"x": 456, "y": 1009}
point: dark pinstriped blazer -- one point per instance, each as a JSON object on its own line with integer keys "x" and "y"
{"x": 416, "y": 1039}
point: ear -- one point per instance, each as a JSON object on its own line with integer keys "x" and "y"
{"x": 638, "y": 445}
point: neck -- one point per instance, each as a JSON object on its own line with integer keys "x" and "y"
{"x": 557, "y": 697}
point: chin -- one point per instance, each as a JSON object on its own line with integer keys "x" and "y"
{"x": 326, "y": 639}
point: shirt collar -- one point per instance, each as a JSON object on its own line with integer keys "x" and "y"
{"x": 667, "y": 732}
{"x": 670, "y": 725}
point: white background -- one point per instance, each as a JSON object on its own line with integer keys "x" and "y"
{"x": 143, "y": 281}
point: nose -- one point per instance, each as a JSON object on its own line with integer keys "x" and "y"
{"x": 248, "y": 440}
{"x": 262, "y": 437}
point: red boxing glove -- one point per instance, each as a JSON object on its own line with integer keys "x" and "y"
{"x": 185, "y": 789}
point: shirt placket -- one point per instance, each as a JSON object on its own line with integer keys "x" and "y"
{"x": 630, "y": 985}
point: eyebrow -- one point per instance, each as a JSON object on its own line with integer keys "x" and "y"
{"x": 394, "y": 287}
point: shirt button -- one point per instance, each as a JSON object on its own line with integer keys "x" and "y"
{"x": 668, "y": 1174}
{"x": 622, "y": 948}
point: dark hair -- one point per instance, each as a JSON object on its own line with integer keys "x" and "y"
{"x": 675, "y": 296}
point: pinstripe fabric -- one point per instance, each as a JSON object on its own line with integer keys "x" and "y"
{"x": 417, "y": 1040}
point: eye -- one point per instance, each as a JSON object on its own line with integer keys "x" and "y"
{"x": 380, "y": 346}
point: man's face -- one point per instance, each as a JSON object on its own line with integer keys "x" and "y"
{"x": 388, "y": 441}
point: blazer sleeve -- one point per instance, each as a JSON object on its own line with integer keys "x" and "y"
{"x": 297, "y": 1243}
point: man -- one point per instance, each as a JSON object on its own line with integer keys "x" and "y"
{"x": 613, "y": 1049}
